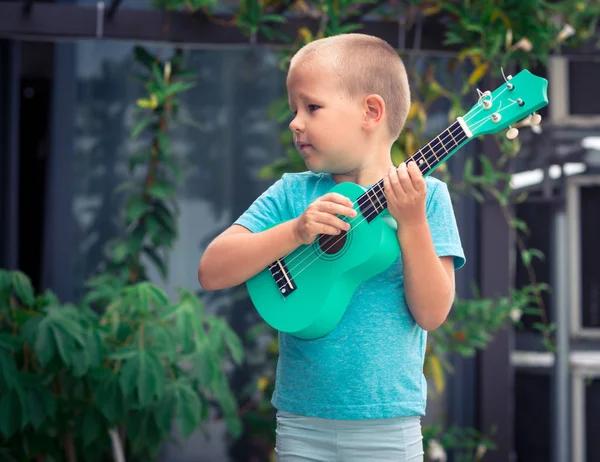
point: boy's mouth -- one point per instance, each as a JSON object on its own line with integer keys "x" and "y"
{"x": 303, "y": 146}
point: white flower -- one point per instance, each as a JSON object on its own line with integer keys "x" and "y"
{"x": 523, "y": 44}
{"x": 435, "y": 452}
{"x": 516, "y": 314}
{"x": 481, "y": 450}
{"x": 567, "y": 31}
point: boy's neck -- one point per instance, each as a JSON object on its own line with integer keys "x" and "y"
{"x": 373, "y": 169}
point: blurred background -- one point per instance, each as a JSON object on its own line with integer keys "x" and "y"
{"x": 133, "y": 132}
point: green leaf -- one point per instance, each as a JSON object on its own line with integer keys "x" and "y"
{"x": 45, "y": 347}
{"x": 80, "y": 362}
{"x": 22, "y": 286}
{"x": 144, "y": 57}
{"x": 5, "y": 280}
{"x": 9, "y": 343}
{"x": 161, "y": 190}
{"x": 143, "y": 374}
{"x": 94, "y": 347}
{"x": 157, "y": 73}
{"x": 234, "y": 345}
{"x": 228, "y": 404}
{"x": 120, "y": 251}
{"x": 91, "y": 427}
{"x": 187, "y": 408}
{"x": 156, "y": 259}
{"x": 9, "y": 375}
{"x": 141, "y": 125}
{"x": 273, "y": 18}
{"x": 178, "y": 87}
{"x": 143, "y": 297}
{"x": 163, "y": 414}
{"x": 125, "y": 352}
{"x": 64, "y": 343}
{"x": 520, "y": 225}
{"x": 158, "y": 296}
{"x": 204, "y": 366}
{"x": 138, "y": 158}
{"x": 164, "y": 143}
{"x": 41, "y": 405}
{"x": 108, "y": 395}
{"x": 11, "y": 414}
{"x": 162, "y": 341}
{"x": 135, "y": 209}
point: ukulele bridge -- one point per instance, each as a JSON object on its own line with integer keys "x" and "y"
{"x": 282, "y": 278}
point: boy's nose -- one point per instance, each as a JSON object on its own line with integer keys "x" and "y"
{"x": 296, "y": 125}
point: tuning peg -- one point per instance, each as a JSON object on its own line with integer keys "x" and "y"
{"x": 512, "y": 133}
{"x": 535, "y": 119}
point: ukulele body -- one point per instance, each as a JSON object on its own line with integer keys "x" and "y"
{"x": 318, "y": 280}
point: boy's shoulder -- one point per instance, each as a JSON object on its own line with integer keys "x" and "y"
{"x": 433, "y": 183}
{"x": 303, "y": 182}
{"x": 304, "y": 177}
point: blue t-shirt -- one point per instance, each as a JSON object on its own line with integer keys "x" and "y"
{"x": 371, "y": 365}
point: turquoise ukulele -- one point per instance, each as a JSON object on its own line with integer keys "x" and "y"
{"x": 306, "y": 293}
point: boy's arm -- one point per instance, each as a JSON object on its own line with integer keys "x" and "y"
{"x": 428, "y": 279}
{"x": 238, "y": 254}
{"x": 428, "y": 236}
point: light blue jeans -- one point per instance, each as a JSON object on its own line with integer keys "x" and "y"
{"x": 308, "y": 439}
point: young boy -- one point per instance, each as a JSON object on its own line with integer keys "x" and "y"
{"x": 356, "y": 394}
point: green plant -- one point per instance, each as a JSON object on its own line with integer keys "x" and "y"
{"x": 120, "y": 366}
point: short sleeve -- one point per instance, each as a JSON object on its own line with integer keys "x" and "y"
{"x": 267, "y": 210}
{"x": 442, "y": 225}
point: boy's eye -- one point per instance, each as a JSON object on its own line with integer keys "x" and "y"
{"x": 313, "y": 107}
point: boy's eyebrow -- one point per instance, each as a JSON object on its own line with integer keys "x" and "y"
{"x": 302, "y": 95}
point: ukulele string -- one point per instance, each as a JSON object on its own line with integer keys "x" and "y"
{"x": 373, "y": 210}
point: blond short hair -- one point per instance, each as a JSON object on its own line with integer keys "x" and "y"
{"x": 366, "y": 65}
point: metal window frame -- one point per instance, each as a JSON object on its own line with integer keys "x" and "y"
{"x": 558, "y": 74}
{"x": 574, "y": 185}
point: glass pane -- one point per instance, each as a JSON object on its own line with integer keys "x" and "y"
{"x": 592, "y": 420}
{"x": 590, "y": 255}
{"x": 583, "y": 78}
{"x": 538, "y": 216}
{"x": 532, "y": 416}
{"x": 224, "y": 138}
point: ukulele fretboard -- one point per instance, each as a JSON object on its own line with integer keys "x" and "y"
{"x": 373, "y": 201}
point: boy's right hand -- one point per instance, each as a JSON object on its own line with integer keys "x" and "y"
{"x": 320, "y": 218}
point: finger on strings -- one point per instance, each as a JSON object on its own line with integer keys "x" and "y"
{"x": 338, "y": 198}
{"x": 387, "y": 183}
{"x": 416, "y": 176}
{"x": 404, "y": 178}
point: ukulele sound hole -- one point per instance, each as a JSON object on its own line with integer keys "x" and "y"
{"x": 332, "y": 244}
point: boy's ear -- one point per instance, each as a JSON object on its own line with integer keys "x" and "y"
{"x": 374, "y": 110}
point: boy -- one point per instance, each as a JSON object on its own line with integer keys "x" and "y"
{"x": 356, "y": 394}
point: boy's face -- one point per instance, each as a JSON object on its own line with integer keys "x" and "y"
{"x": 327, "y": 124}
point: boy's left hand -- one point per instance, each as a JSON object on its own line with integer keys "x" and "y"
{"x": 406, "y": 190}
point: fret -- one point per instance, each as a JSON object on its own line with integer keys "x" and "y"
{"x": 372, "y": 203}
{"x": 379, "y": 189}
{"x": 423, "y": 158}
{"x": 442, "y": 144}
{"x": 430, "y": 146}
{"x": 376, "y": 197}
{"x": 452, "y": 136}
{"x": 426, "y": 160}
